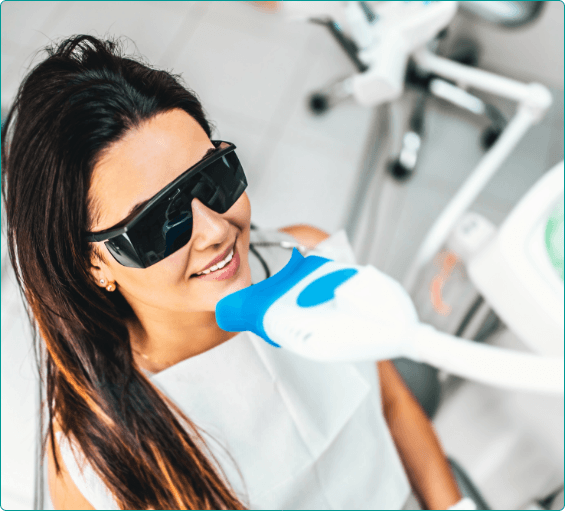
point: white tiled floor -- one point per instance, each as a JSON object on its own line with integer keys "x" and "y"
{"x": 511, "y": 443}
{"x": 253, "y": 73}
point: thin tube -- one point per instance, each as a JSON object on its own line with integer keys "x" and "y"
{"x": 471, "y": 188}
{"x": 470, "y": 313}
{"x": 372, "y": 148}
{"x": 385, "y": 186}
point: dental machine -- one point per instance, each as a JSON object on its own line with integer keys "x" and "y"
{"x": 329, "y": 311}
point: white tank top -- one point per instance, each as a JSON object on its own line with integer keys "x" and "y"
{"x": 303, "y": 434}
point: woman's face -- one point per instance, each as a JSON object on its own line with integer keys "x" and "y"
{"x": 132, "y": 171}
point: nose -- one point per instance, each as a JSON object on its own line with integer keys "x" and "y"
{"x": 209, "y": 227}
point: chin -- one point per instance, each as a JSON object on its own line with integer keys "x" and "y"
{"x": 242, "y": 282}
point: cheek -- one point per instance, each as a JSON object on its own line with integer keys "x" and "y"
{"x": 161, "y": 276}
{"x": 173, "y": 266}
{"x": 242, "y": 208}
{"x": 164, "y": 272}
{"x": 156, "y": 286}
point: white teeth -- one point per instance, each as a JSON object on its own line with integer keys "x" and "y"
{"x": 218, "y": 266}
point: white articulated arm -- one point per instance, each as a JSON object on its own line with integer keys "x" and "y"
{"x": 330, "y": 311}
{"x": 371, "y": 317}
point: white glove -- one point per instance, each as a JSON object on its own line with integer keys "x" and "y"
{"x": 464, "y": 503}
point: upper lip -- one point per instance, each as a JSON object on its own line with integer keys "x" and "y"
{"x": 219, "y": 258}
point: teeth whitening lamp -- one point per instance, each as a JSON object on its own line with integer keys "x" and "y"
{"x": 330, "y": 311}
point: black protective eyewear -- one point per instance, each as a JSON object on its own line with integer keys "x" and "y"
{"x": 164, "y": 224}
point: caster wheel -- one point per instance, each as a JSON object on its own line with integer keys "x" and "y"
{"x": 399, "y": 171}
{"x": 489, "y": 137}
{"x": 319, "y": 103}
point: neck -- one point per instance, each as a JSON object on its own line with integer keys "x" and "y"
{"x": 162, "y": 341}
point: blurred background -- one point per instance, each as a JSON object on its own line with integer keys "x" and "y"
{"x": 264, "y": 74}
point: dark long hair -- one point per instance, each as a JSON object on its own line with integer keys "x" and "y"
{"x": 70, "y": 107}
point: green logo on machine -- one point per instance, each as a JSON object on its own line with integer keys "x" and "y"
{"x": 554, "y": 238}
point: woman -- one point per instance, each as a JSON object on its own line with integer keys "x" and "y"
{"x": 117, "y": 201}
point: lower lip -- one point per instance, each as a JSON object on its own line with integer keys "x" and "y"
{"x": 227, "y": 272}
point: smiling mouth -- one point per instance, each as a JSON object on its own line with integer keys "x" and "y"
{"x": 219, "y": 269}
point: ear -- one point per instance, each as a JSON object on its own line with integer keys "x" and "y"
{"x": 99, "y": 268}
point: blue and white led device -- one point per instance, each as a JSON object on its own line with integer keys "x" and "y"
{"x": 330, "y": 311}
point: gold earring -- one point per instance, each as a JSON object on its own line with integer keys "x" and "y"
{"x": 110, "y": 287}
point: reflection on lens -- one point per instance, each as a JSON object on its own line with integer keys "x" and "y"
{"x": 204, "y": 189}
{"x": 179, "y": 204}
{"x": 177, "y": 232}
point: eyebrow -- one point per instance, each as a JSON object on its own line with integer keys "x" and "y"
{"x": 140, "y": 205}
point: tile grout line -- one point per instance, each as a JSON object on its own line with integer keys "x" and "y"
{"x": 281, "y": 116}
{"x": 18, "y": 63}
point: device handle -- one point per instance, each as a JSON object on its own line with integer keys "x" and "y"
{"x": 491, "y": 365}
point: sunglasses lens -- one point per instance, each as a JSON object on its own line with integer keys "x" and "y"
{"x": 222, "y": 183}
{"x": 177, "y": 232}
{"x": 123, "y": 252}
{"x": 167, "y": 226}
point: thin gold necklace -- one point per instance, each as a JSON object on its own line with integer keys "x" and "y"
{"x": 152, "y": 370}
{"x": 144, "y": 356}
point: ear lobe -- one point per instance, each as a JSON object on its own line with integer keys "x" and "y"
{"x": 99, "y": 269}
{"x": 96, "y": 274}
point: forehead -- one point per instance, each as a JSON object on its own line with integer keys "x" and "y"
{"x": 143, "y": 162}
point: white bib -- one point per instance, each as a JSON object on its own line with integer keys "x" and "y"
{"x": 303, "y": 434}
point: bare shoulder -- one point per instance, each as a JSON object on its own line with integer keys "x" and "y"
{"x": 306, "y": 234}
{"x": 63, "y": 491}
